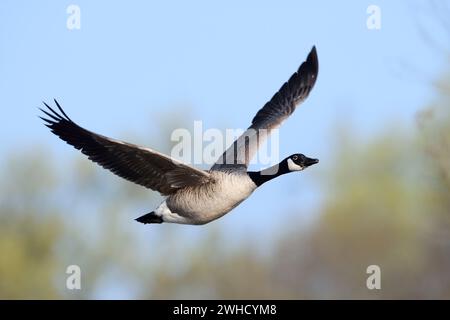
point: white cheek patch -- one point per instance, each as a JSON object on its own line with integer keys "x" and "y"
{"x": 293, "y": 166}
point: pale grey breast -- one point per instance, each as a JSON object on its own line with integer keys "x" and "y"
{"x": 210, "y": 201}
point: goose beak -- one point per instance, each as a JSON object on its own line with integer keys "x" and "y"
{"x": 310, "y": 162}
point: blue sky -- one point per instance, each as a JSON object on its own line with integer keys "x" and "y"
{"x": 133, "y": 60}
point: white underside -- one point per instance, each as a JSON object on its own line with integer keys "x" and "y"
{"x": 168, "y": 216}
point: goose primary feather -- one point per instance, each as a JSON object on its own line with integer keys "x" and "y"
{"x": 196, "y": 196}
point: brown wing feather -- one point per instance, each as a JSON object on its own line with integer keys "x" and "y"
{"x": 142, "y": 166}
{"x": 291, "y": 94}
{"x": 271, "y": 115}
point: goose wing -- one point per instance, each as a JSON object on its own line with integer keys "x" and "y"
{"x": 142, "y": 166}
{"x": 271, "y": 115}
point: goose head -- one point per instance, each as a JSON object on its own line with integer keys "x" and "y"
{"x": 299, "y": 162}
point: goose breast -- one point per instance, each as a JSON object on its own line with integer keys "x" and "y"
{"x": 202, "y": 204}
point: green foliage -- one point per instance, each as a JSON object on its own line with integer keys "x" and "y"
{"x": 385, "y": 202}
{"x": 28, "y": 232}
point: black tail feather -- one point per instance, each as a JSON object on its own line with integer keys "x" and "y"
{"x": 150, "y": 218}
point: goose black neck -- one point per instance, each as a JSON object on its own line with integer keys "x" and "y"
{"x": 260, "y": 177}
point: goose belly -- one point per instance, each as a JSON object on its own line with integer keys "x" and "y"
{"x": 205, "y": 203}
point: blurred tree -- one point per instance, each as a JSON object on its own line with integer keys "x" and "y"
{"x": 434, "y": 123}
{"x": 29, "y": 228}
{"x": 388, "y": 205}
{"x": 370, "y": 216}
{"x": 386, "y": 202}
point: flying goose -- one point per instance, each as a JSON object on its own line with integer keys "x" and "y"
{"x": 196, "y": 196}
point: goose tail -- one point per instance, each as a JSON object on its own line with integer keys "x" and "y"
{"x": 151, "y": 217}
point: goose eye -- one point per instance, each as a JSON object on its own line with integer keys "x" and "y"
{"x": 294, "y": 158}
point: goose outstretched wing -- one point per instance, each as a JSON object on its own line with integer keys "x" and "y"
{"x": 142, "y": 166}
{"x": 271, "y": 115}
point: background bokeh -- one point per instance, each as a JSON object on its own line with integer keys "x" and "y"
{"x": 378, "y": 119}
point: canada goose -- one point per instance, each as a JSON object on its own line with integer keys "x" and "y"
{"x": 195, "y": 196}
